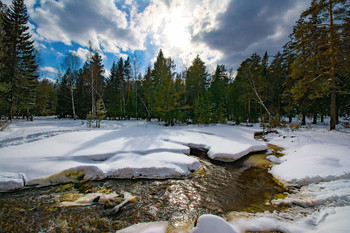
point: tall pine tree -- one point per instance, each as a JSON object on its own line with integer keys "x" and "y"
{"x": 196, "y": 92}
{"x": 19, "y": 60}
{"x": 318, "y": 44}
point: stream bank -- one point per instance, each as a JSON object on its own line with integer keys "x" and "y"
{"x": 218, "y": 188}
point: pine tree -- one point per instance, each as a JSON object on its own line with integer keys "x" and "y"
{"x": 46, "y": 98}
{"x": 89, "y": 86}
{"x": 287, "y": 96}
{"x": 319, "y": 40}
{"x": 64, "y": 106}
{"x": 276, "y": 78}
{"x": 250, "y": 81}
{"x": 128, "y": 87}
{"x": 196, "y": 92}
{"x": 121, "y": 87}
{"x": 111, "y": 92}
{"x": 20, "y": 65}
{"x": 146, "y": 93}
{"x": 3, "y": 83}
{"x": 162, "y": 84}
{"x": 218, "y": 94}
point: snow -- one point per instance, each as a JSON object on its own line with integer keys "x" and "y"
{"x": 318, "y": 162}
{"x": 337, "y": 222}
{"x": 273, "y": 159}
{"x": 151, "y": 227}
{"x": 50, "y": 151}
{"x": 210, "y": 223}
{"x": 318, "y": 154}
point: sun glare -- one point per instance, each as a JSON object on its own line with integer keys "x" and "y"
{"x": 176, "y": 30}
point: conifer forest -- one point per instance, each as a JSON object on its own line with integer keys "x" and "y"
{"x": 309, "y": 77}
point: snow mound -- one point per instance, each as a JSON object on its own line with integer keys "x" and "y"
{"x": 209, "y": 223}
{"x": 150, "y": 227}
{"x": 46, "y": 155}
{"x": 160, "y": 165}
{"x": 224, "y": 143}
{"x": 334, "y": 193}
{"x": 11, "y": 181}
{"x": 273, "y": 159}
{"x": 316, "y": 163}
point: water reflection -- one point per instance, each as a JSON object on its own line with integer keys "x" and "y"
{"x": 241, "y": 186}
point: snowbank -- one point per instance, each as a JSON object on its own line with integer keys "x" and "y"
{"x": 312, "y": 156}
{"x": 52, "y": 151}
{"x": 209, "y": 223}
{"x": 317, "y": 160}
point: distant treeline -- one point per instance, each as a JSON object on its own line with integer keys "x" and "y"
{"x": 310, "y": 77}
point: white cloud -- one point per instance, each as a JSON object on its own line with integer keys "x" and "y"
{"x": 106, "y": 73}
{"x": 48, "y": 69}
{"x": 100, "y": 22}
{"x": 173, "y": 27}
{"x": 82, "y": 53}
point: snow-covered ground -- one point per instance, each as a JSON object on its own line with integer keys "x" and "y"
{"x": 317, "y": 161}
{"x": 51, "y": 151}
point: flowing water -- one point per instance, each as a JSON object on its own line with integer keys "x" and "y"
{"x": 217, "y": 188}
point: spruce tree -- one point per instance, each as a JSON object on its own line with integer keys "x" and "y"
{"x": 121, "y": 88}
{"x": 64, "y": 107}
{"x": 19, "y": 60}
{"x": 111, "y": 96}
{"x": 128, "y": 87}
{"x": 146, "y": 93}
{"x": 276, "y": 78}
{"x": 46, "y": 98}
{"x": 162, "y": 84}
{"x": 218, "y": 94}
{"x": 97, "y": 81}
{"x": 196, "y": 91}
{"x": 3, "y": 83}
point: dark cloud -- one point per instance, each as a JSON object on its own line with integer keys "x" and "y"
{"x": 253, "y": 26}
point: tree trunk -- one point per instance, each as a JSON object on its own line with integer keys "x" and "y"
{"x": 290, "y": 118}
{"x": 314, "y": 121}
{"x": 333, "y": 110}
{"x": 303, "y": 121}
{"x": 10, "y": 112}
{"x": 332, "y": 74}
{"x": 73, "y": 107}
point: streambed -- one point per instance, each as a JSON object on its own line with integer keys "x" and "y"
{"x": 218, "y": 188}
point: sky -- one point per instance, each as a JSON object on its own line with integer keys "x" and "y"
{"x": 219, "y": 31}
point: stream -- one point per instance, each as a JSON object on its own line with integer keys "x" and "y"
{"x": 217, "y": 188}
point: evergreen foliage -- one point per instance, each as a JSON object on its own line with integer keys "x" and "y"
{"x": 18, "y": 62}
{"x": 310, "y": 77}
